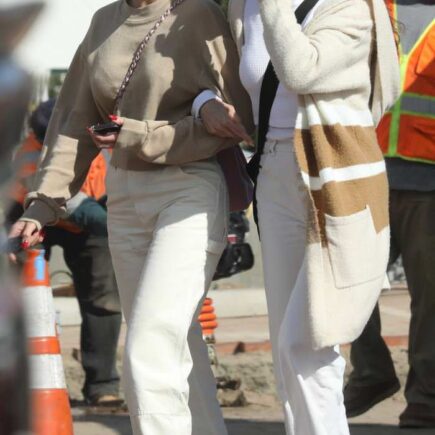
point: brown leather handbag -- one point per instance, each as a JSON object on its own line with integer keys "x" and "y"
{"x": 240, "y": 187}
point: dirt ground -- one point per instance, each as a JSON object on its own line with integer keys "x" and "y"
{"x": 254, "y": 369}
{"x": 262, "y": 413}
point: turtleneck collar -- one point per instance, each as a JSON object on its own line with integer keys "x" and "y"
{"x": 147, "y": 13}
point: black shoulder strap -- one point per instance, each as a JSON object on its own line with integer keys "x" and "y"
{"x": 270, "y": 84}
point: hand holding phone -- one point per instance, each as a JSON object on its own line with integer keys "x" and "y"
{"x": 106, "y": 128}
{"x": 105, "y": 135}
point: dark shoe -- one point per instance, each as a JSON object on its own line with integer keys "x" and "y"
{"x": 358, "y": 399}
{"x": 417, "y": 415}
{"x": 105, "y": 400}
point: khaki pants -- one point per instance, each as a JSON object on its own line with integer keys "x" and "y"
{"x": 167, "y": 230}
{"x": 412, "y": 217}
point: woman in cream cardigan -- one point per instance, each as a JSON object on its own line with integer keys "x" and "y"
{"x": 322, "y": 189}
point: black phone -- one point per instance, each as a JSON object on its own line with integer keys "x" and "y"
{"x": 12, "y": 246}
{"x": 106, "y": 128}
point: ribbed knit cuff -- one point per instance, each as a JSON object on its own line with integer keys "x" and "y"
{"x": 133, "y": 133}
{"x": 40, "y": 213}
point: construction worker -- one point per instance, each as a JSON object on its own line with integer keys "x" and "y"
{"x": 406, "y": 135}
{"x": 83, "y": 238}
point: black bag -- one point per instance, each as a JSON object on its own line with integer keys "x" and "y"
{"x": 237, "y": 256}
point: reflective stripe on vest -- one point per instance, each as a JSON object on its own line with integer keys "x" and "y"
{"x": 408, "y": 129}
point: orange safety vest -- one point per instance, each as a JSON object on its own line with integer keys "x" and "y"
{"x": 408, "y": 129}
{"x": 24, "y": 166}
{"x": 26, "y": 163}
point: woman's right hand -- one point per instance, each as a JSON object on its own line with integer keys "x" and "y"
{"x": 29, "y": 234}
{"x": 106, "y": 141}
{"x": 221, "y": 119}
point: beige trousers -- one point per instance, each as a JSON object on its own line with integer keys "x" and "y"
{"x": 167, "y": 230}
{"x": 309, "y": 381}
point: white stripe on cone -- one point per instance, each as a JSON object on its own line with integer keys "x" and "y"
{"x": 40, "y": 313}
{"x": 46, "y": 372}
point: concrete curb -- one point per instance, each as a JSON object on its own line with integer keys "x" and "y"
{"x": 228, "y": 303}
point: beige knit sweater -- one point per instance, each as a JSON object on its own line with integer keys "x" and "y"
{"x": 192, "y": 50}
{"x": 344, "y": 67}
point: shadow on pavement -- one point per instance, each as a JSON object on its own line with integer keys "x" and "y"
{"x": 380, "y": 429}
{"x": 243, "y": 427}
{"x": 120, "y": 425}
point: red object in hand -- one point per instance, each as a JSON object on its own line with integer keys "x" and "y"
{"x": 25, "y": 244}
{"x": 113, "y": 117}
{"x": 232, "y": 238}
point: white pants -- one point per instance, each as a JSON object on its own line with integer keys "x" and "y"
{"x": 309, "y": 382}
{"x": 167, "y": 230}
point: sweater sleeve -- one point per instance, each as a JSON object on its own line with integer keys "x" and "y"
{"x": 187, "y": 140}
{"x": 322, "y": 60}
{"x": 162, "y": 142}
{"x": 68, "y": 150}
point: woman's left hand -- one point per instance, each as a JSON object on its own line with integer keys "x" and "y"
{"x": 106, "y": 141}
{"x": 221, "y": 119}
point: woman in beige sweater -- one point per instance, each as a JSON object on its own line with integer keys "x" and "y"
{"x": 166, "y": 215}
{"x": 322, "y": 189}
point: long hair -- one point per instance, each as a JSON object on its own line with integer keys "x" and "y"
{"x": 398, "y": 28}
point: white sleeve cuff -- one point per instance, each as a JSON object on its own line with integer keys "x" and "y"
{"x": 74, "y": 203}
{"x": 200, "y": 100}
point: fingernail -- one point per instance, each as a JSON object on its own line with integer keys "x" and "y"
{"x": 113, "y": 117}
{"x": 25, "y": 244}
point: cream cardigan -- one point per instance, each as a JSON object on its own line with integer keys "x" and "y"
{"x": 345, "y": 82}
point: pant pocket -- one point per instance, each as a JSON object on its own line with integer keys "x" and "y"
{"x": 358, "y": 254}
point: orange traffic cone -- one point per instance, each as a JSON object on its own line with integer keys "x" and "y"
{"x": 207, "y": 319}
{"x": 50, "y": 403}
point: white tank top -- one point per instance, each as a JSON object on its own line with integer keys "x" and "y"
{"x": 253, "y": 64}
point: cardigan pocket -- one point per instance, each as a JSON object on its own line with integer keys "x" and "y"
{"x": 358, "y": 254}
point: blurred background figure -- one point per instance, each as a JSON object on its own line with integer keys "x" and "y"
{"x": 16, "y": 17}
{"x": 407, "y": 135}
{"x": 83, "y": 238}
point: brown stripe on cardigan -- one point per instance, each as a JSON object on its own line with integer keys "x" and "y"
{"x": 335, "y": 146}
{"x": 345, "y": 198}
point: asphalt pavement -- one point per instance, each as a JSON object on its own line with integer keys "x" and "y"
{"x": 120, "y": 425}
{"x": 261, "y": 419}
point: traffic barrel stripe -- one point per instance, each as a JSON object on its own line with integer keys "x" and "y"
{"x": 46, "y": 372}
{"x": 44, "y": 345}
{"x": 207, "y": 309}
{"x": 40, "y": 313}
{"x": 207, "y": 317}
{"x": 209, "y": 325}
{"x": 49, "y": 412}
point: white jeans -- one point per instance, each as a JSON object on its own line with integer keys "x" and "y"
{"x": 167, "y": 230}
{"x": 309, "y": 382}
